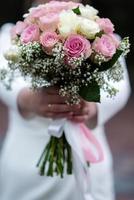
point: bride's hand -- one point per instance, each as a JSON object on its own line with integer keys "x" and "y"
{"x": 44, "y": 102}
{"x": 86, "y": 113}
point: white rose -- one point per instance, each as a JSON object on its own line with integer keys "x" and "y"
{"x": 88, "y": 12}
{"x": 88, "y": 28}
{"x": 68, "y": 23}
{"x": 12, "y": 54}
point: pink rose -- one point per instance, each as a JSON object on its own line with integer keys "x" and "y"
{"x": 76, "y": 45}
{"x": 48, "y": 9}
{"x": 72, "y": 4}
{"x": 51, "y": 7}
{"x": 104, "y": 46}
{"x": 48, "y": 40}
{"x": 105, "y": 25}
{"x": 13, "y": 33}
{"x": 30, "y": 34}
{"x": 18, "y": 29}
{"x": 37, "y": 12}
{"x": 49, "y": 22}
{"x": 58, "y": 6}
{"x": 115, "y": 39}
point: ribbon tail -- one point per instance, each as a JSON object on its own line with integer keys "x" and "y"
{"x": 92, "y": 148}
{"x": 80, "y": 168}
{"x": 82, "y": 178}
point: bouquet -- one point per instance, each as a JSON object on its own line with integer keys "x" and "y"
{"x": 68, "y": 45}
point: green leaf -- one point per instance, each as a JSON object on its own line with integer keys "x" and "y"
{"x": 77, "y": 11}
{"x": 107, "y": 65}
{"x": 99, "y": 34}
{"x": 91, "y": 92}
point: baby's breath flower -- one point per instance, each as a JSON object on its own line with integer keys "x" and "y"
{"x": 125, "y": 46}
{"x": 3, "y": 73}
{"x": 99, "y": 59}
{"x": 31, "y": 51}
{"x": 76, "y": 62}
{"x": 115, "y": 73}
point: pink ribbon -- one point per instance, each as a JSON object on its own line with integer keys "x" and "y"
{"x": 93, "y": 156}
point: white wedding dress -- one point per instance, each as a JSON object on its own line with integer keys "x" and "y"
{"x": 25, "y": 140}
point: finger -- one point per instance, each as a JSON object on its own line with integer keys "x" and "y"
{"x": 59, "y": 115}
{"x": 82, "y": 111}
{"x": 79, "y": 119}
{"x": 52, "y": 90}
{"x": 60, "y": 108}
{"x": 55, "y": 99}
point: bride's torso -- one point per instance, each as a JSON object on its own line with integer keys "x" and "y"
{"x": 19, "y": 178}
{"x": 24, "y": 142}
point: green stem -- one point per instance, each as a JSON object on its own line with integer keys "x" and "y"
{"x": 44, "y": 160}
{"x": 60, "y": 159}
{"x": 56, "y": 154}
{"x": 42, "y": 155}
{"x": 69, "y": 159}
{"x": 68, "y": 153}
{"x": 51, "y": 157}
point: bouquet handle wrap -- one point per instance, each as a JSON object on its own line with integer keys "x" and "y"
{"x": 85, "y": 148}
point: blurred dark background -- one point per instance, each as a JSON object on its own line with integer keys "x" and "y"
{"x": 120, "y": 130}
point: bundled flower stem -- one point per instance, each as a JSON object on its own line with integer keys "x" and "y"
{"x": 56, "y": 158}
